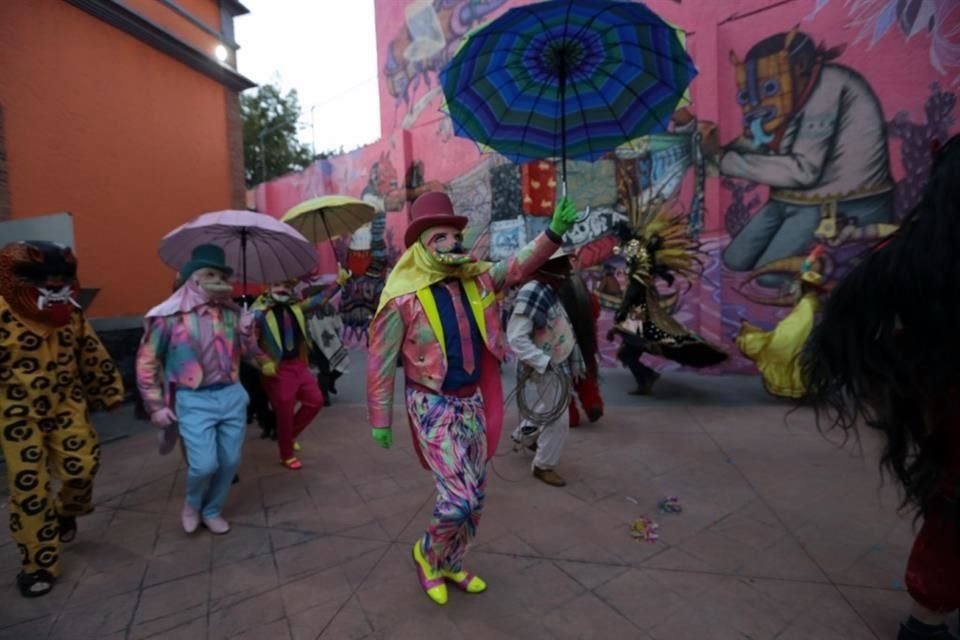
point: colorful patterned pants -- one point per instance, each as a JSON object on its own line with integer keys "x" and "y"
{"x": 453, "y": 440}
{"x": 71, "y": 448}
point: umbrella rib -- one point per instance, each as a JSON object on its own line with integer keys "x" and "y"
{"x": 464, "y": 58}
{"x": 615, "y": 119}
{"x": 656, "y": 52}
{"x": 643, "y": 69}
{"x": 632, "y": 91}
{"x": 256, "y": 250}
{"x": 533, "y": 109}
{"x": 520, "y": 94}
{"x": 486, "y": 35}
{"x": 586, "y": 126}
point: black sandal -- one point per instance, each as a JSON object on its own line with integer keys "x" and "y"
{"x": 68, "y": 528}
{"x": 27, "y": 581}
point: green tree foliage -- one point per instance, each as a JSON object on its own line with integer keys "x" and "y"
{"x": 270, "y": 144}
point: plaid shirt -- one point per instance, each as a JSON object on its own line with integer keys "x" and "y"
{"x": 552, "y": 331}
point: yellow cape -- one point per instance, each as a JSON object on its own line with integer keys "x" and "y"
{"x": 417, "y": 269}
{"x": 777, "y": 352}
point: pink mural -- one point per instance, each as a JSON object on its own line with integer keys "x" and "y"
{"x": 810, "y": 124}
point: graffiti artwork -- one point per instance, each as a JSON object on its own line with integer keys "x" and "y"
{"x": 594, "y": 224}
{"x": 507, "y": 237}
{"x": 824, "y": 146}
{"x": 814, "y": 132}
{"x": 937, "y": 20}
{"x": 433, "y": 32}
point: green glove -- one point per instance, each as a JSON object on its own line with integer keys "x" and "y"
{"x": 564, "y": 217}
{"x": 383, "y": 437}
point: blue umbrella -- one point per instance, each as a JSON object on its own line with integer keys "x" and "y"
{"x": 567, "y": 78}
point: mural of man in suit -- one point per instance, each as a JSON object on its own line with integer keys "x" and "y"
{"x": 814, "y": 132}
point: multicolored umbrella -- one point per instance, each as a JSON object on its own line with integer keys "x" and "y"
{"x": 258, "y": 246}
{"x": 567, "y": 78}
{"x": 327, "y": 217}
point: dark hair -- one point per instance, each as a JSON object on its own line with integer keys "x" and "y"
{"x": 886, "y": 351}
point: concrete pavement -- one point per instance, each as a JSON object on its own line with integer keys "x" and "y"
{"x": 783, "y": 535}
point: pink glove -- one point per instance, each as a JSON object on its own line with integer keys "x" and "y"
{"x": 163, "y": 417}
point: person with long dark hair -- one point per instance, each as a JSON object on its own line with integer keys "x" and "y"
{"x": 885, "y": 355}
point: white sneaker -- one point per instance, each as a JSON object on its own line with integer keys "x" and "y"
{"x": 189, "y": 518}
{"x": 216, "y": 525}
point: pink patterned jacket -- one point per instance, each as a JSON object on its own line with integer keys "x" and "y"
{"x": 402, "y": 329}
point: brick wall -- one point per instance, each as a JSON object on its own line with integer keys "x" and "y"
{"x": 4, "y": 178}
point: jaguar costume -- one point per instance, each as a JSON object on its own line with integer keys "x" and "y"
{"x": 53, "y": 372}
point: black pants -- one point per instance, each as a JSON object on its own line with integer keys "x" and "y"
{"x": 326, "y": 377}
{"x": 259, "y": 407}
{"x": 629, "y": 355}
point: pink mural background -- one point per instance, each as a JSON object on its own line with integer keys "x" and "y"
{"x": 908, "y": 54}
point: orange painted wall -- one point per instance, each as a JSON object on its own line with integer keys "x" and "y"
{"x": 206, "y": 11}
{"x": 129, "y": 140}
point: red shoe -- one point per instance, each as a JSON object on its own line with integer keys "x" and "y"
{"x": 292, "y": 464}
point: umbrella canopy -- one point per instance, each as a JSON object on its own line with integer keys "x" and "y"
{"x": 567, "y": 78}
{"x": 258, "y": 246}
{"x": 327, "y": 217}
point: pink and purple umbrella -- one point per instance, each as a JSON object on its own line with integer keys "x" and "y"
{"x": 258, "y": 246}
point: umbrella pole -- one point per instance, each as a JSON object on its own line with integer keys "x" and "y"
{"x": 333, "y": 247}
{"x": 563, "y": 126}
{"x": 243, "y": 258}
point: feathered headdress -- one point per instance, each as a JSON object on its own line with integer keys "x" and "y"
{"x": 661, "y": 241}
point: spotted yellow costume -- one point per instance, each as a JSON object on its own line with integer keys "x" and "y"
{"x": 53, "y": 371}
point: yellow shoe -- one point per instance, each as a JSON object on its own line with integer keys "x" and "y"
{"x": 297, "y": 447}
{"x": 429, "y": 577}
{"x": 465, "y": 581}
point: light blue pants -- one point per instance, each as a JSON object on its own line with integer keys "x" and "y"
{"x": 213, "y": 422}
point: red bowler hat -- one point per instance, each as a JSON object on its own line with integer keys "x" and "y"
{"x": 432, "y": 209}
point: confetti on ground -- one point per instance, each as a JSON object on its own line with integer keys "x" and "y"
{"x": 643, "y": 528}
{"x": 670, "y": 504}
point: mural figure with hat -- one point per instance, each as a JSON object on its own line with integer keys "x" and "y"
{"x": 541, "y": 333}
{"x": 283, "y": 336}
{"x": 53, "y": 371}
{"x": 777, "y": 352}
{"x": 659, "y": 247}
{"x": 440, "y": 317}
{"x": 814, "y": 132}
{"x": 188, "y": 375}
